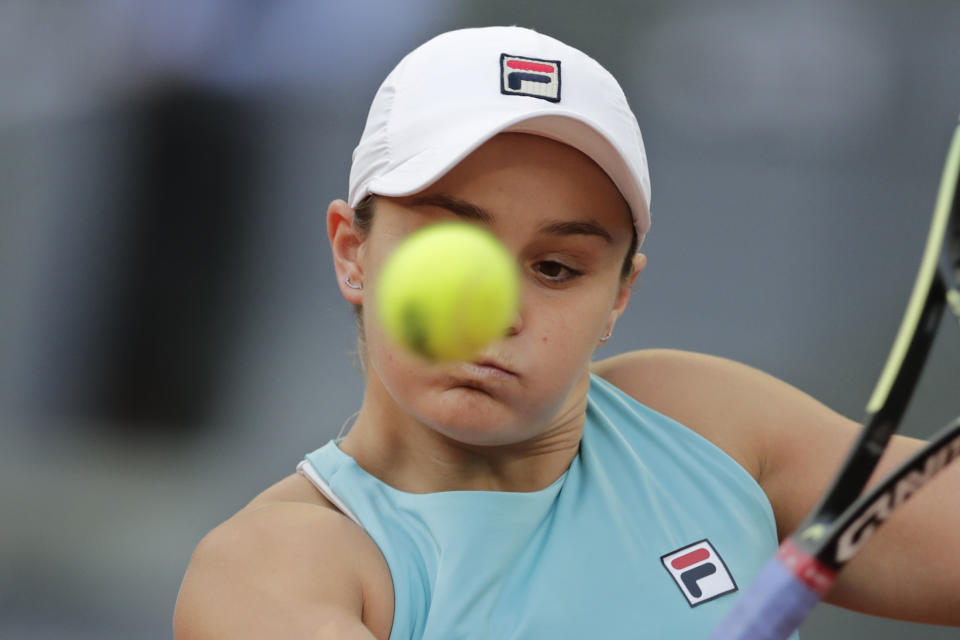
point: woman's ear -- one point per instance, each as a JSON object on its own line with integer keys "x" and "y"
{"x": 623, "y": 294}
{"x": 346, "y": 243}
{"x": 639, "y": 262}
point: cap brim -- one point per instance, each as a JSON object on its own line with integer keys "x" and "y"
{"x": 428, "y": 166}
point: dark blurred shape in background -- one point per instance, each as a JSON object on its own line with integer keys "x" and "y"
{"x": 187, "y": 207}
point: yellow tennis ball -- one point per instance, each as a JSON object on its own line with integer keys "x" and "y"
{"x": 447, "y": 291}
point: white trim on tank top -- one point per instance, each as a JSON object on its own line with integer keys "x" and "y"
{"x": 306, "y": 469}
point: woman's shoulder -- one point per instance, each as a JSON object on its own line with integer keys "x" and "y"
{"x": 683, "y": 383}
{"x": 720, "y": 399}
{"x": 296, "y": 545}
{"x": 293, "y": 488}
{"x": 651, "y": 373}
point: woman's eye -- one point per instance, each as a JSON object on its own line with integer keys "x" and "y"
{"x": 555, "y": 271}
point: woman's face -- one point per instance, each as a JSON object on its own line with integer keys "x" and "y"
{"x": 569, "y": 229}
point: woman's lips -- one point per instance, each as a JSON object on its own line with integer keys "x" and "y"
{"x": 487, "y": 370}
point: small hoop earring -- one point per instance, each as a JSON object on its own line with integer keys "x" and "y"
{"x": 607, "y": 337}
{"x": 352, "y": 285}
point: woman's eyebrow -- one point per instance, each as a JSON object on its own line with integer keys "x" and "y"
{"x": 576, "y": 227}
{"x": 476, "y": 213}
{"x": 461, "y": 208}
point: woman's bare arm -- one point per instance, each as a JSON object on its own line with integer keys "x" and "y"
{"x": 280, "y": 570}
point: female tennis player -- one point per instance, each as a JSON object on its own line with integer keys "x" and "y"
{"x": 534, "y": 493}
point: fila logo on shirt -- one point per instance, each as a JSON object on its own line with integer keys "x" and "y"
{"x": 533, "y": 77}
{"x": 700, "y": 572}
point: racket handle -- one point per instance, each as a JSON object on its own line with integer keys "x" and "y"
{"x": 771, "y": 608}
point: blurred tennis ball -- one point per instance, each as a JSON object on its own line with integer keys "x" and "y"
{"x": 448, "y": 291}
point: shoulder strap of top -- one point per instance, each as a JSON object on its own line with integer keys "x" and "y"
{"x": 306, "y": 470}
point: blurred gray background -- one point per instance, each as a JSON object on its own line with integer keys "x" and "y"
{"x": 171, "y": 337}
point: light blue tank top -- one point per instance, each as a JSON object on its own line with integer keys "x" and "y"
{"x": 648, "y": 534}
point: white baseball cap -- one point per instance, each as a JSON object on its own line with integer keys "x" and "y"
{"x": 453, "y": 93}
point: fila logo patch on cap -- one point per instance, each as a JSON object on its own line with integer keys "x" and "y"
{"x": 533, "y": 77}
{"x": 700, "y": 573}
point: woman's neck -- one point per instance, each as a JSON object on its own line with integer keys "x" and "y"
{"x": 414, "y": 457}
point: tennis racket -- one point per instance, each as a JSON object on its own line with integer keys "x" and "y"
{"x": 807, "y": 563}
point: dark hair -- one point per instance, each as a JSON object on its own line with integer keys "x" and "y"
{"x": 363, "y": 214}
{"x": 362, "y": 221}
